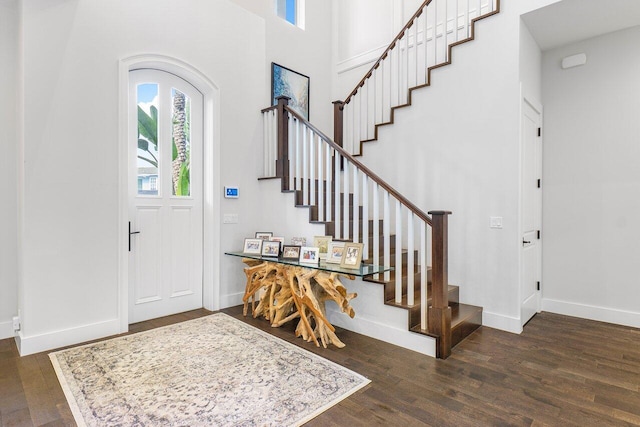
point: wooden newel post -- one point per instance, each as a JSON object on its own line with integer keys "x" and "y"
{"x": 338, "y": 122}
{"x": 439, "y": 322}
{"x": 282, "y": 163}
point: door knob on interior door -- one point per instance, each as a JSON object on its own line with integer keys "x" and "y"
{"x": 525, "y": 242}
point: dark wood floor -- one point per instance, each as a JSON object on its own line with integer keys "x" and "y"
{"x": 560, "y": 371}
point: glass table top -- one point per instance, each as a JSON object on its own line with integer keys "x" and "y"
{"x": 364, "y": 270}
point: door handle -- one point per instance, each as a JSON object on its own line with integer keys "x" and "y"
{"x": 525, "y": 242}
{"x": 130, "y": 233}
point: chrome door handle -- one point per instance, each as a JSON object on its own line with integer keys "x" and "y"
{"x": 130, "y": 233}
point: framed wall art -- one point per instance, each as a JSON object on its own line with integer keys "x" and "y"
{"x": 286, "y": 82}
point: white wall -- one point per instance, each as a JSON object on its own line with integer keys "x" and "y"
{"x": 592, "y": 180}
{"x": 72, "y": 49}
{"x": 305, "y": 51}
{"x": 530, "y": 65}
{"x": 9, "y": 19}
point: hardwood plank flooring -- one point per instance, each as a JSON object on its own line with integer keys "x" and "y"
{"x": 561, "y": 371}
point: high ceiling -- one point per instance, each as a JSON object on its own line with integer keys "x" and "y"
{"x": 569, "y": 21}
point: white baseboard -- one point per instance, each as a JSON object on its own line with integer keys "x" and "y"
{"x": 592, "y": 312}
{"x": 6, "y": 330}
{"x": 231, "y": 300}
{"x": 402, "y": 338}
{"x": 502, "y": 322}
{"x": 56, "y": 339}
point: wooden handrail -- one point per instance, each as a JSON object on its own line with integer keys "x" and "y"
{"x": 264, "y": 110}
{"x": 413, "y": 208}
{"x": 408, "y": 25}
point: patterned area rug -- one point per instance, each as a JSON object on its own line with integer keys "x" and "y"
{"x": 212, "y": 371}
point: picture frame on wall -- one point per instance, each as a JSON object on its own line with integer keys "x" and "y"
{"x": 270, "y": 249}
{"x": 291, "y": 252}
{"x": 334, "y": 253}
{"x": 252, "y": 246}
{"x": 264, "y": 235}
{"x": 295, "y": 86}
{"x": 309, "y": 255}
{"x": 322, "y": 243}
{"x": 352, "y": 256}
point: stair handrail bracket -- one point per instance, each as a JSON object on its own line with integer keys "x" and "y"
{"x": 356, "y": 205}
{"x": 422, "y": 45}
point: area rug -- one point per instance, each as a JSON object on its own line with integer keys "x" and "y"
{"x": 211, "y": 371}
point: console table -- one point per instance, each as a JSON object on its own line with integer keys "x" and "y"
{"x": 290, "y": 289}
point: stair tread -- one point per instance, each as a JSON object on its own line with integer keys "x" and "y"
{"x": 460, "y": 313}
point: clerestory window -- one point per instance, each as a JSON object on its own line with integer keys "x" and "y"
{"x": 291, "y": 11}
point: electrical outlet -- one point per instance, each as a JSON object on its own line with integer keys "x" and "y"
{"x": 495, "y": 222}
{"x": 16, "y": 323}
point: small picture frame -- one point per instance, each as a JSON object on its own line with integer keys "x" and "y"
{"x": 264, "y": 235}
{"x": 299, "y": 241}
{"x": 309, "y": 255}
{"x": 252, "y": 246}
{"x": 291, "y": 252}
{"x": 322, "y": 243}
{"x": 270, "y": 249}
{"x": 334, "y": 253}
{"x": 278, "y": 239}
{"x": 352, "y": 255}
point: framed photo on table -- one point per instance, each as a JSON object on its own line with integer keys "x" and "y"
{"x": 322, "y": 243}
{"x": 334, "y": 253}
{"x": 264, "y": 235}
{"x": 270, "y": 249}
{"x": 309, "y": 255}
{"x": 352, "y": 255}
{"x": 291, "y": 252}
{"x": 252, "y": 246}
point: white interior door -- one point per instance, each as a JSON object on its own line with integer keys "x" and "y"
{"x": 165, "y": 195}
{"x": 531, "y": 268}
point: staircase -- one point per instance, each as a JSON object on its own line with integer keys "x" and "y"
{"x": 353, "y": 203}
{"x": 424, "y": 44}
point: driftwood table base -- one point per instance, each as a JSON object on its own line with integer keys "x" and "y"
{"x": 290, "y": 292}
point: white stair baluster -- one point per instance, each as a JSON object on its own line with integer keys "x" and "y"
{"x": 321, "y": 181}
{"x": 423, "y": 275}
{"x": 305, "y": 164}
{"x": 365, "y": 217}
{"x": 355, "y": 228}
{"x": 329, "y": 166}
{"x": 312, "y": 168}
{"x": 338, "y": 190}
{"x": 386, "y": 232}
{"x": 345, "y": 201}
{"x": 410, "y": 260}
{"x": 376, "y": 223}
{"x": 398, "y": 252}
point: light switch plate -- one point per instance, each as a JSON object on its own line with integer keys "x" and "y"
{"x": 230, "y": 218}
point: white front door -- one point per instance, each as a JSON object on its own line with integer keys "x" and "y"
{"x": 531, "y": 269}
{"x": 165, "y": 195}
